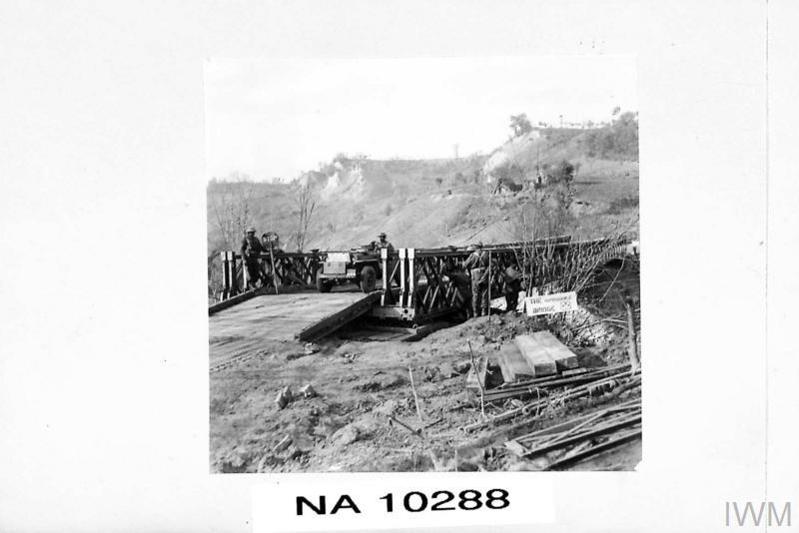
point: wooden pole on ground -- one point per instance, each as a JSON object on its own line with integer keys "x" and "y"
{"x": 489, "y": 286}
{"x": 632, "y": 348}
{"x": 274, "y": 267}
{"x": 417, "y": 432}
{"x": 415, "y": 396}
{"x": 480, "y": 384}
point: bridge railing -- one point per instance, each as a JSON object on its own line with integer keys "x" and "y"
{"x": 420, "y": 284}
{"x": 297, "y": 269}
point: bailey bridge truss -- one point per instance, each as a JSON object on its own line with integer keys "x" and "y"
{"x": 422, "y": 284}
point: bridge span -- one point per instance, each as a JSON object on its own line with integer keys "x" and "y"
{"x": 417, "y": 286}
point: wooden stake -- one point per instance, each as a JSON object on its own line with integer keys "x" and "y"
{"x": 489, "y": 286}
{"x": 415, "y": 397}
{"x": 479, "y": 383}
{"x": 632, "y": 349}
{"x": 274, "y": 267}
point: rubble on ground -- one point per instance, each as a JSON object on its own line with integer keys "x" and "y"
{"x": 284, "y": 397}
{"x": 556, "y": 392}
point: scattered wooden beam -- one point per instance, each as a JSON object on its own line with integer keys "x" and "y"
{"x": 542, "y": 385}
{"x": 595, "y": 450}
{"x": 230, "y": 302}
{"x": 516, "y": 446}
{"x": 561, "y": 442}
{"x": 600, "y": 385}
{"x": 417, "y": 432}
{"x": 331, "y": 323}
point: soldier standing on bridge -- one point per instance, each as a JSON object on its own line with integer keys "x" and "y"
{"x": 251, "y": 249}
{"x": 383, "y": 243}
{"x": 512, "y": 284}
{"x": 477, "y": 265}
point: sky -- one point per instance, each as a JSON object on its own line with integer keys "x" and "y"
{"x": 275, "y": 119}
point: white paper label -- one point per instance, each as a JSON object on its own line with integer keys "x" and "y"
{"x": 339, "y": 502}
{"x": 551, "y": 303}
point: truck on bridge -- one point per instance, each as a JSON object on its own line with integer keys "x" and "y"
{"x": 359, "y": 265}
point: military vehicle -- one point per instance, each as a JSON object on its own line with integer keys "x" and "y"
{"x": 359, "y": 265}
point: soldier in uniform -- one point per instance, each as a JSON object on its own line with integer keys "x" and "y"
{"x": 383, "y": 243}
{"x": 512, "y": 284}
{"x": 251, "y": 249}
{"x": 477, "y": 265}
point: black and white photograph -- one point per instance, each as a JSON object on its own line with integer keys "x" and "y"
{"x": 423, "y": 265}
{"x": 407, "y": 265}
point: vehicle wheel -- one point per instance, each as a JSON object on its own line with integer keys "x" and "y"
{"x": 368, "y": 279}
{"x": 322, "y": 284}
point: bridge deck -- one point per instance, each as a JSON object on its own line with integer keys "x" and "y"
{"x": 247, "y": 327}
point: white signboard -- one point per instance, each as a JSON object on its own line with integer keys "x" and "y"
{"x": 365, "y": 502}
{"x": 551, "y": 303}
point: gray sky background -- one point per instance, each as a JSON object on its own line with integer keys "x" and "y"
{"x": 275, "y": 119}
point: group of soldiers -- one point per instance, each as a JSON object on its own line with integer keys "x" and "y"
{"x": 253, "y": 248}
{"x": 477, "y": 264}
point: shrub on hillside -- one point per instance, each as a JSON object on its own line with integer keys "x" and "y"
{"x": 562, "y": 172}
{"x": 619, "y": 205}
{"x": 511, "y": 177}
{"x": 617, "y": 141}
{"x": 559, "y": 136}
{"x": 520, "y": 125}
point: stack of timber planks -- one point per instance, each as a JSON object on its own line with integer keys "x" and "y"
{"x": 530, "y": 357}
{"x": 536, "y": 355}
{"x": 513, "y": 364}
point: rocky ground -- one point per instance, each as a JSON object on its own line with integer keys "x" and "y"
{"x": 345, "y": 422}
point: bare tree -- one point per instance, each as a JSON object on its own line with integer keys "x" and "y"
{"x": 230, "y": 203}
{"x": 550, "y": 267}
{"x": 306, "y": 204}
{"x": 231, "y": 207}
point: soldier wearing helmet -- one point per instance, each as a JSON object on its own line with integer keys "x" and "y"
{"x": 383, "y": 243}
{"x": 477, "y": 265}
{"x": 251, "y": 249}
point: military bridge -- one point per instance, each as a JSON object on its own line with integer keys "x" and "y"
{"x": 418, "y": 286}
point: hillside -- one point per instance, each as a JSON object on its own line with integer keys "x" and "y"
{"x": 425, "y": 203}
